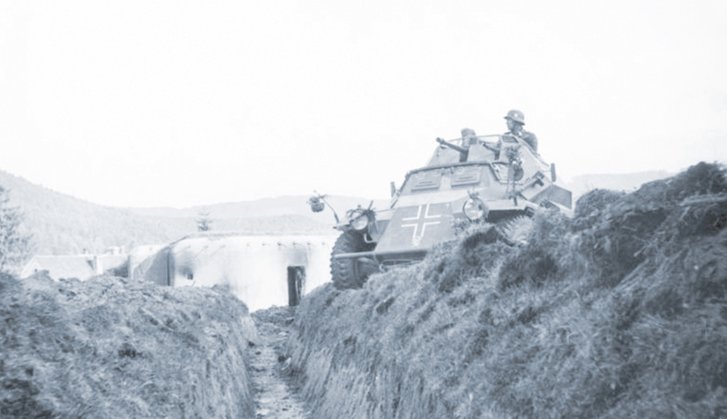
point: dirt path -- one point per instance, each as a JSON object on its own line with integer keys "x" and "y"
{"x": 274, "y": 397}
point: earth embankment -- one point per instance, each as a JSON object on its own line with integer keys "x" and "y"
{"x": 620, "y": 311}
{"x": 111, "y": 347}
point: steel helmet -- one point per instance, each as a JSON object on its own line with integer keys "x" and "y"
{"x": 516, "y": 116}
{"x": 468, "y": 132}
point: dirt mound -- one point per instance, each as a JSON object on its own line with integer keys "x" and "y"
{"x": 618, "y": 312}
{"x": 111, "y": 347}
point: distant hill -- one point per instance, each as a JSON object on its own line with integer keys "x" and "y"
{"x": 266, "y": 207}
{"x": 62, "y": 224}
{"x": 286, "y": 214}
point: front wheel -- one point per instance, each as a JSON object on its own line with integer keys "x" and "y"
{"x": 349, "y": 272}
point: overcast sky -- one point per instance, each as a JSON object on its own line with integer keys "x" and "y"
{"x": 154, "y": 103}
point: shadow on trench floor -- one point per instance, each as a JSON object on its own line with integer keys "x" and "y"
{"x": 274, "y": 393}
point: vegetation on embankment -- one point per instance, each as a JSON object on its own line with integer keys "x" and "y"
{"x": 618, "y": 312}
{"x": 111, "y": 347}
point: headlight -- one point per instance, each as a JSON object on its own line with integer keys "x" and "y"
{"x": 474, "y": 209}
{"x": 360, "y": 221}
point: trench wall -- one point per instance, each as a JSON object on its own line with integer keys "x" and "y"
{"x": 618, "y": 312}
{"x": 113, "y": 347}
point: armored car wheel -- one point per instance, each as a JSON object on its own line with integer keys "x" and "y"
{"x": 349, "y": 272}
{"x": 516, "y": 229}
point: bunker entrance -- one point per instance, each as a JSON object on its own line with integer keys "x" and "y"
{"x": 296, "y": 281}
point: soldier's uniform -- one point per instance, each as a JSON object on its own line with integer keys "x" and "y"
{"x": 516, "y": 129}
{"x": 530, "y": 139}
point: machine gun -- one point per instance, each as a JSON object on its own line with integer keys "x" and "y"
{"x": 452, "y": 146}
{"x": 463, "y": 152}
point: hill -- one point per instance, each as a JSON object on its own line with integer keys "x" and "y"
{"x": 266, "y": 207}
{"x": 618, "y": 312}
{"x": 62, "y": 224}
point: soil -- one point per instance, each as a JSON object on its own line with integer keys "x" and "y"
{"x": 114, "y": 347}
{"x": 275, "y": 396}
{"x": 619, "y": 312}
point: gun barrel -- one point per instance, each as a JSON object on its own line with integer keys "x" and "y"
{"x": 452, "y": 146}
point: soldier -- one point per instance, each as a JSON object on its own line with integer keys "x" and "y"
{"x": 515, "y": 121}
{"x": 469, "y": 137}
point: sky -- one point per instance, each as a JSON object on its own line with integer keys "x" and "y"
{"x": 180, "y": 103}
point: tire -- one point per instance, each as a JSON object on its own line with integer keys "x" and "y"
{"x": 348, "y": 273}
{"x": 516, "y": 230}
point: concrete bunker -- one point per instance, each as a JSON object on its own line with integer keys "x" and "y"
{"x": 262, "y": 271}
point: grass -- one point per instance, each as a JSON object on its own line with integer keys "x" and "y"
{"x": 618, "y": 312}
{"x": 111, "y": 347}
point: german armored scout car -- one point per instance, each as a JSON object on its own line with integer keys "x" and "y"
{"x": 497, "y": 179}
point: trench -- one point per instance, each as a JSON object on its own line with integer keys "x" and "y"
{"x": 275, "y": 396}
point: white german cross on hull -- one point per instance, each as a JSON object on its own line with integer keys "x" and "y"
{"x": 420, "y": 223}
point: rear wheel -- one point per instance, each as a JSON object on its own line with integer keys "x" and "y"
{"x": 349, "y": 272}
{"x": 516, "y": 230}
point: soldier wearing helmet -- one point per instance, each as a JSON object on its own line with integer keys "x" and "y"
{"x": 469, "y": 137}
{"x": 515, "y": 121}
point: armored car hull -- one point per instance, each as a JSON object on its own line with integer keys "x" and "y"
{"x": 495, "y": 179}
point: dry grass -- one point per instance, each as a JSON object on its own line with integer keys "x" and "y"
{"x": 111, "y": 347}
{"x": 620, "y": 312}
